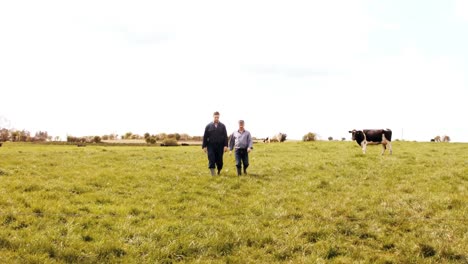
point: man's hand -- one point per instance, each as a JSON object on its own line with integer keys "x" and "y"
{"x": 205, "y": 150}
{"x": 225, "y": 149}
{"x": 249, "y": 149}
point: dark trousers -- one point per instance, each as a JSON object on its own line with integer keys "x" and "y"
{"x": 215, "y": 156}
{"x": 242, "y": 156}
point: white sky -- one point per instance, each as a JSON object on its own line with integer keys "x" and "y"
{"x": 100, "y": 67}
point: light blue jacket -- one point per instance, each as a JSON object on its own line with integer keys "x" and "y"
{"x": 240, "y": 140}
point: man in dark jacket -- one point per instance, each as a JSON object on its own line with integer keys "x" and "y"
{"x": 215, "y": 143}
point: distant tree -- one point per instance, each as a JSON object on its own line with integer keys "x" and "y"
{"x": 105, "y": 137}
{"x": 177, "y": 136}
{"x": 162, "y": 136}
{"x": 147, "y": 135}
{"x": 170, "y": 142}
{"x": 184, "y": 137}
{"x": 197, "y": 138}
{"x": 15, "y": 136}
{"x": 309, "y": 137}
{"x": 343, "y": 139}
{"x": 128, "y": 135}
{"x": 97, "y": 139}
{"x": 151, "y": 139}
{"x": 71, "y": 139}
{"x": 40, "y": 136}
{"x": 24, "y": 136}
{"x": 4, "y": 135}
{"x": 330, "y": 138}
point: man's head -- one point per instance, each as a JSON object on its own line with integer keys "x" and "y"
{"x": 216, "y": 117}
{"x": 241, "y": 125}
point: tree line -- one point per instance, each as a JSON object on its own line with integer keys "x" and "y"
{"x": 166, "y": 139}
{"x": 14, "y": 135}
{"x": 23, "y": 136}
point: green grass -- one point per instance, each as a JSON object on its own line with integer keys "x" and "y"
{"x": 314, "y": 202}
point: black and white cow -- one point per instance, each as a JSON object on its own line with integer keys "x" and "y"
{"x": 373, "y": 136}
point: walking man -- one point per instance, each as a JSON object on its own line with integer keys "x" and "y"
{"x": 215, "y": 143}
{"x": 241, "y": 141}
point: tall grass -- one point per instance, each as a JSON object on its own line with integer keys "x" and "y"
{"x": 302, "y": 202}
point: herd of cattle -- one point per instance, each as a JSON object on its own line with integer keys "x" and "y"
{"x": 439, "y": 139}
{"x": 363, "y": 138}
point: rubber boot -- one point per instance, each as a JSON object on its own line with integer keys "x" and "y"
{"x": 239, "y": 171}
{"x": 212, "y": 172}
{"x": 245, "y": 170}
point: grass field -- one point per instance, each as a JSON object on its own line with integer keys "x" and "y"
{"x": 314, "y": 202}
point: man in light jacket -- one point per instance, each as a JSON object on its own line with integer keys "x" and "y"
{"x": 241, "y": 141}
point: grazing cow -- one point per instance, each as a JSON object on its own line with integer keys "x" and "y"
{"x": 432, "y": 140}
{"x": 437, "y": 139}
{"x": 280, "y": 137}
{"x": 373, "y": 136}
{"x": 446, "y": 139}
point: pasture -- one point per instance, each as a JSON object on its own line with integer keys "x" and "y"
{"x": 302, "y": 202}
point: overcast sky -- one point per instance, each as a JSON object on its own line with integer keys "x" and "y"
{"x": 100, "y": 67}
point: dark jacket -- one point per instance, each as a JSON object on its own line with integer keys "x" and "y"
{"x": 215, "y": 135}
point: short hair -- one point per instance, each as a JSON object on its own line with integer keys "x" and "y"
{"x": 241, "y": 121}
{"x": 216, "y": 113}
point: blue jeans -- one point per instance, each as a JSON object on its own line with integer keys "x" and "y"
{"x": 242, "y": 156}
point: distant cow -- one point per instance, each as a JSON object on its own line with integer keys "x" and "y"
{"x": 373, "y": 136}
{"x": 437, "y": 139}
{"x": 446, "y": 138}
{"x": 280, "y": 137}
